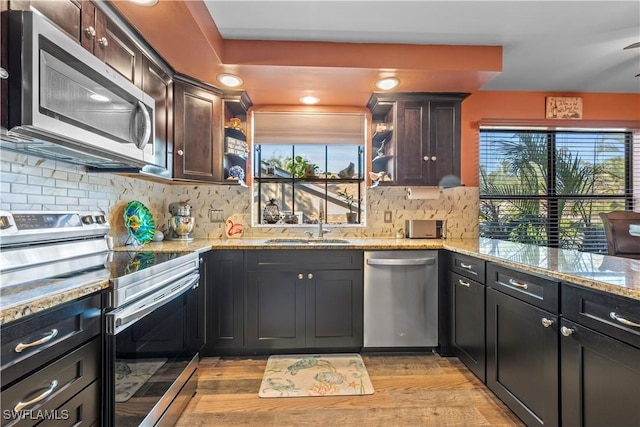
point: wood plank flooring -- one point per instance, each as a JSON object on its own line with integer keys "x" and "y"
{"x": 411, "y": 390}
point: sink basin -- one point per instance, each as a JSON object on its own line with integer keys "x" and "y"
{"x": 329, "y": 241}
{"x": 308, "y": 241}
{"x": 292, "y": 240}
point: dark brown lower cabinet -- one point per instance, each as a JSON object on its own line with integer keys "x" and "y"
{"x": 522, "y": 358}
{"x": 225, "y": 301}
{"x": 600, "y": 379}
{"x": 468, "y": 323}
{"x": 304, "y": 299}
{"x": 275, "y": 310}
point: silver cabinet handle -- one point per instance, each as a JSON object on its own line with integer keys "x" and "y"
{"x": 310, "y": 276}
{"x": 433, "y": 158}
{"x": 103, "y": 42}
{"x": 90, "y": 31}
{"x": 4, "y": 74}
{"x": 624, "y": 321}
{"x": 566, "y": 331}
{"x": 463, "y": 283}
{"x": 21, "y": 405}
{"x": 425, "y": 158}
{"x": 21, "y": 346}
{"x": 140, "y": 143}
{"x": 180, "y": 153}
{"x": 467, "y": 266}
{"x": 300, "y": 276}
{"x": 518, "y": 285}
{"x": 547, "y": 322}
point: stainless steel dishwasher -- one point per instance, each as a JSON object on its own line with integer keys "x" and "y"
{"x": 400, "y": 299}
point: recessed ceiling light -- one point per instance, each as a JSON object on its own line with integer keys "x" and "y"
{"x": 309, "y": 100}
{"x": 147, "y": 3}
{"x": 230, "y": 80}
{"x": 387, "y": 83}
{"x": 98, "y": 97}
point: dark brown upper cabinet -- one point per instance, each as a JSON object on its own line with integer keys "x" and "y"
{"x": 66, "y": 14}
{"x": 415, "y": 137}
{"x": 197, "y": 150}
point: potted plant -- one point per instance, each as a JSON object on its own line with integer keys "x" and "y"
{"x": 299, "y": 167}
{"x": 350, "y": 200}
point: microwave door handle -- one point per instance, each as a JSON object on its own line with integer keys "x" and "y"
{"x": 400, "y": 261}
{"x": 142, "y": 142}
{"x": 117, "y": 322}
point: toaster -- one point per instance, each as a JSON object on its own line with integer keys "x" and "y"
{"x": 425, "y": 229}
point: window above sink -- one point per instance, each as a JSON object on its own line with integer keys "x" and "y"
{"x": 305, "y": 161}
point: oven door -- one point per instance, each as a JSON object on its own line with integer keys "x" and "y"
{"x": 151, "y": 358}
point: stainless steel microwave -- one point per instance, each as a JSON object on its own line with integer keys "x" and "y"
{"x": 66, "y": 104}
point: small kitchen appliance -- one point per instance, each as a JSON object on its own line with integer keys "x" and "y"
{"x": 425, "y": 229}
{"x": 181, "y": 222}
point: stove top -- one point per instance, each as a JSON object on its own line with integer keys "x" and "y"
{"x": 121, "y": 264}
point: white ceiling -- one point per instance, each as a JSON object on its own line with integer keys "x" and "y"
{"x": 550, "y": 46}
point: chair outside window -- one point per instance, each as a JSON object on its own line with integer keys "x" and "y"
{"x": 619, "y": 241}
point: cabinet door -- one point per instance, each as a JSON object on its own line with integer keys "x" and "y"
{"x": 157, "y": 84}
{"x": 275, "y": 310}
{"x": 600, "y": 379}
{"x": 412, "y": 131}
{"x": 467, "y": 323}
{"x": 226, "y": 283}
{"x": 334, "y": 308}
{"x": 522, "y": 358}
{"x": 443, "y": 152}
{"x": 198, "y": 134}
{"x": 66, "y": 14}
{"x": 196, "y": 303}
{"x": 120, "y": 52}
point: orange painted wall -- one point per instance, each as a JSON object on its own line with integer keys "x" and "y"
{"x": 530, "y": 106}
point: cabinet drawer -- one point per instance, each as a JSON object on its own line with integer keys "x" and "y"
{"x": 82, "y": 410}
{"x": 50, "y": 387}
{"x": 467, "y": 266}
{"x": 305, "y": 259}
{"x": 57, "y": 331}
{"x": 538, "y": 291}
{"x": 612, "y": 315}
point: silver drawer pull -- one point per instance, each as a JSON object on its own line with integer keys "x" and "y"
{"x": 566, "y": 331}
{"x": 463, "y": 283}
{"x": 518, "y": 285}
{"x": 21, "y": 405}
{"x": 546, "y": 322}
{"x": 624, "y": 321}
{"x": 467, "y": 266}
{"x": 21, "y": 346}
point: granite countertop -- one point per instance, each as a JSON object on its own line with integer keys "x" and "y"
{"x": 616, "y": 275}
{"x": 20, "y": 301}
{"x": 619, "y": 276}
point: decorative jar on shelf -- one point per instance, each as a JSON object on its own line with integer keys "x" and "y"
{"x": 271, "y": 212}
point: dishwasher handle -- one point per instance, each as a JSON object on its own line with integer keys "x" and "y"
{"x": 401, "y": 261}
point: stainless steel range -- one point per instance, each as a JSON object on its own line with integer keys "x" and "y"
{"x": 153, "y": 333}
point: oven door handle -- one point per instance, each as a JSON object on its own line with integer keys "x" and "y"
{"x": 122, "y": 318}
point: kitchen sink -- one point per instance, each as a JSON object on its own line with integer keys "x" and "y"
{"x": 307, "y": 241}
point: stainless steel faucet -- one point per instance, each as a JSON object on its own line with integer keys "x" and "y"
{"x": 321, "y": 230}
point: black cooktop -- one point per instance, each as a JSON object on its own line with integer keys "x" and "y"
{"x": 124, "y": 263}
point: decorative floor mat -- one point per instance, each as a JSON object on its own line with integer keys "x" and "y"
{"x": 315, "y": 375}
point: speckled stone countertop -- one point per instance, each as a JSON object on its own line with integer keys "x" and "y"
{"x": 20, "y": 301}
{"x": 619, "y": 276}
{"x": 616, "y": 275}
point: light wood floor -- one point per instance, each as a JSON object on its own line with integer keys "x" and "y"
{"x": 409, "y": 391}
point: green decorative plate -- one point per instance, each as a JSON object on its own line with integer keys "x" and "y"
{"x": 139, "y": 221}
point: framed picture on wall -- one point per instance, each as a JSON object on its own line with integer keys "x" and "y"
{"x": 564, "y": 107}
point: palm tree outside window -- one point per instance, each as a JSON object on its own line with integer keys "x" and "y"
{"x": 547, "y": 187}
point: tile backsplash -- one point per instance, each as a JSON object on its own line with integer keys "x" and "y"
{"x": 31, "y": 183}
